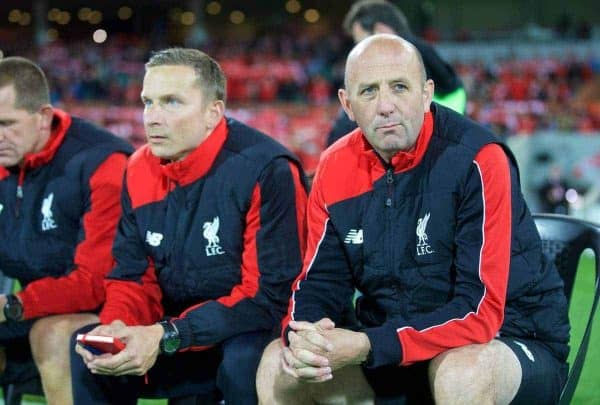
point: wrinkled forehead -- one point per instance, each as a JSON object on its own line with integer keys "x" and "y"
{"x": 373, "y": 67}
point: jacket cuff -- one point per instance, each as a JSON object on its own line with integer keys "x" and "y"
{"x": 385, "y": 347}
{"x": 28, "y": 304}
{"x": 185, "y": 332}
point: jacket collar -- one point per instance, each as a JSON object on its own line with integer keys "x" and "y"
{"x": 403, "y": 161}
{"x": 198, "y": 162}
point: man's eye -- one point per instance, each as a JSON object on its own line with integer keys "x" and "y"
{"x": 147, "y": 103}
{"x": 172, "y": 102}
{"x": 367, "y": 91}
{"x": 399, "y": 87}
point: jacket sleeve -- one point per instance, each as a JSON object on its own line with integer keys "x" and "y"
{"x": 482, "y": 244}
{"x": 92, "y": 258}
{"x": 132, "y": 291}
{"x": 271, "y": 259}
{"x": 324, "y": 287}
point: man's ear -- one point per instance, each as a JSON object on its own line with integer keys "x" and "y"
{"x": 345, "y": 102}
{"x": 46, "y": 115}
{"x": 214, "y": 113}
{"x": 428, "y": 90}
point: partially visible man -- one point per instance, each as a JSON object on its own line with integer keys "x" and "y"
{"x": 420, "y": 209}
{"x": 210, "y": 241}
{"x": 60, "y": 182}
{"x": 368, "y": 17}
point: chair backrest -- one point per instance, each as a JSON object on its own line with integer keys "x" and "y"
{"x": 563, "y": 241}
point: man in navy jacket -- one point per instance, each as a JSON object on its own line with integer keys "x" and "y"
{"x": 420, "y": 209}
{"x": 209, "y": 243}
{"x": 60, "y": 182}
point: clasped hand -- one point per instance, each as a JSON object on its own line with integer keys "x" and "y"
{"x": 139, "y": 355}
{"x": 317, "y": 349}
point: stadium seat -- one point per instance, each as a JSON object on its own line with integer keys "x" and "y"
{"x": 563, "y": 240}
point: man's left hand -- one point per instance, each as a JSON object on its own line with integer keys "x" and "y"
{"x": 139, "y": 355}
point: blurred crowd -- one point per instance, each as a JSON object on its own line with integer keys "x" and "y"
{"x": 287, "y": 85}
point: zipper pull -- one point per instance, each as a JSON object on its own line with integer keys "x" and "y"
{"x": 389, "y": 179}
{"x": 19, "y": 199}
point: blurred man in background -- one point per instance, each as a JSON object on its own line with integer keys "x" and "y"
{"x": 211, "y": 238}
{"x": 419, "y": 209}
{"x": 60, "y": 182}
{"x": 368, "y": 17}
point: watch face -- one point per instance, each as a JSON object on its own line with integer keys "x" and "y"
{"x": 170, "y": 341}
{"x": 171, "y": 344}
{"x": 13, "y": 310}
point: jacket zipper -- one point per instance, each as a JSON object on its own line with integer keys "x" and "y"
{"x": 19, "y": 193}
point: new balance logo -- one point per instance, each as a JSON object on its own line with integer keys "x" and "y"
{"x": 47, "y": 219}
{"x": 354, "y": 237}
{"x": 526, "y": 351}
{"x": 154, "y": 238}
{"x": 423, "y": 247}
{"x": 210, "y": 233}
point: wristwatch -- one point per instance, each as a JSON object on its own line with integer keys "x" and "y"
{"x": 170, "y": 341}
{"x": 13, "y": 309}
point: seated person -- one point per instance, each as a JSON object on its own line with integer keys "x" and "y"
{"x": 420, "y": 209}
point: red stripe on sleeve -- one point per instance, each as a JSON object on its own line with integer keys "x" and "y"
{"x": 250, "y": 272}
{"x": 93, "y": 259}
{"x": 483, "y": 324}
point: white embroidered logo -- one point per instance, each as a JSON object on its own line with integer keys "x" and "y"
{"x": 1, "y": 208}
{"x": 423, "y": 248}
{"x": 47, "y": 220}
{"x": 354, "y": 237}
{"x": 154, "y": 238}
{"x": 210, "y": 233}
{"x": 526, "y": 351}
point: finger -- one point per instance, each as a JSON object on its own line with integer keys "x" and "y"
{"x": 109, "y": 361}
{"x": 308, "y": 373}
{"x": 325, "y": 324}
{"x": 302, "y": 325}
{"x": 320, "y": 379}
{"x": 317, "y": 340}
{"x": 310, "y": 359}
{"x": 291, "y": 360}
{"x": 305, "y": 339}
{"x": 289, "y": 370}
{"x": 86, "y": 355}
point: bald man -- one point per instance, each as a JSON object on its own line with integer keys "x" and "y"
{"x": 418, "y": 209}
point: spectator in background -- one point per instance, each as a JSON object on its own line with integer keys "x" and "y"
{"x": 466, "y": 310}
{"x": 210, "y": 240}
{"x": 368, "y": 17}
{"x": 60, "y": 183}
{"x": 553, "y": 193}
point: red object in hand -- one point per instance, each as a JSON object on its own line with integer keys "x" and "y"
{"x": 97, "y": 344}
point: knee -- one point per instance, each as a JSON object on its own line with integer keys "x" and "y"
{"x": 46, "y": 335}
{"x": 270, "y": 364}
{"x": 460, "y": 373}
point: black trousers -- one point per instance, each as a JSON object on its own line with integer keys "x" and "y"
{"x": 14, "y": 337}
{"x": 228, "y": 369}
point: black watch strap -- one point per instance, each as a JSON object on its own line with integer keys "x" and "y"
{"x": 170, "y": 341}
{"x": 13, "y": 309}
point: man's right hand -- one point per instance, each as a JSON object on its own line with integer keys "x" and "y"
{"x": 317, "y": 349}
{"x": 113, "y": 329}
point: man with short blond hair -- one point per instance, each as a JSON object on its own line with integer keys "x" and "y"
{"x": 211, "y": 238}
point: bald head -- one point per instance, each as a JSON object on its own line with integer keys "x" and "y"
{"x": 386, "y": 92}
{"x": 372, "y": 50}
